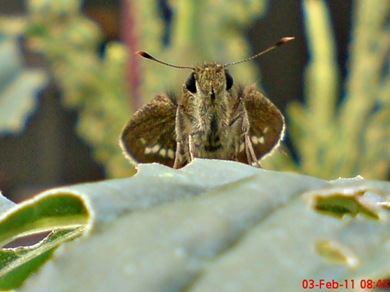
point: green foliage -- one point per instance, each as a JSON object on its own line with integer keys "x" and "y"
{"x": 64, "y": 214}
{"x": 97, "y": 86}
{"x": 93, "y": 85}
{"x": 331, "y": 139}
{"x": 18, "y": 84}
{"x": 17, "y": 264}
{"x": 354, "y": 137}
{"x": 202, "y": 30}
{"x": 202, "y": 228}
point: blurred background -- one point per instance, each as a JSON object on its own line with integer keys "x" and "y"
{"x": 69, "y": 80}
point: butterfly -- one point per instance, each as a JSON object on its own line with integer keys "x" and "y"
{"x": 211, "y": 118}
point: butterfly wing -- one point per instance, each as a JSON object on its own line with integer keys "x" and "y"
{"x": 149, "y": 136}
{"x": 263, "y": 125}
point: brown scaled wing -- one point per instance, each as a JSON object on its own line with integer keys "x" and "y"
{"x": 266, "y": 124}
{"x": 149, "y": 136}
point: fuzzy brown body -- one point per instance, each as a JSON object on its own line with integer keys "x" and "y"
{"x": 210, "y": 119}
{"x": 204, "y": 117}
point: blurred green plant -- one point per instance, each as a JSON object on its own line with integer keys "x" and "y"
{"x": 330, "y": 140}
{"x": 97, "y": 86}
{"x": 201, "y": 30}
{"x": 18, "y": 83}
{"x": 352, "y": 138}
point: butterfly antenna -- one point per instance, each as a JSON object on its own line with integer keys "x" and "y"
{"x": 282, "y": 41}
{"x": 150, "y": 57}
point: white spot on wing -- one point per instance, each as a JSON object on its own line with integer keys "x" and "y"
{"x": 156, "y": 148}
{"x": 148, "y": 150}
{"x": 152, "y": 150}
{"x": 170, "y": 154}
{"x": 254, "y": 140}
{"x": 163, "y": 152}
{"x": 242, "y": 147}
{"x": 261, "y": 140}
{"x": 266, "y": 129}
{"x": 257, "y": 140}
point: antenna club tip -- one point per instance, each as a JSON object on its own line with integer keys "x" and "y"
{"x": 284, "y": 40}
{"x": 143, "y": 54}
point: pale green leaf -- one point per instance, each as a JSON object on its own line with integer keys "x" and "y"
{"x": 5, "y": 203}
{"x": 16, "y": 264}
{"x": 64, "y": 214}
{"x": 221, "y": 226}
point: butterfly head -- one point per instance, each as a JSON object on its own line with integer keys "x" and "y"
{"x": 209, "y": 79}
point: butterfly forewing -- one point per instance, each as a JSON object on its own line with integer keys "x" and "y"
{"x": 266, "y": 124}
{"x": 157, "y": 117}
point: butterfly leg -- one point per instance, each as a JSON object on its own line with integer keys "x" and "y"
{"x": 177, "y": 164}
{"x": 250, "y": 152}
{"x": 191, "y": 147}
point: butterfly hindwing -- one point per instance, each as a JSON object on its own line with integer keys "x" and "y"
{"x": 263, "y": 125}
{"x": 137, "y": 140}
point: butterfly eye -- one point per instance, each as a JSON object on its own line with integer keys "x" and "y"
{"x": 229, "y": 80}
{"x": 191, "y": 83}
